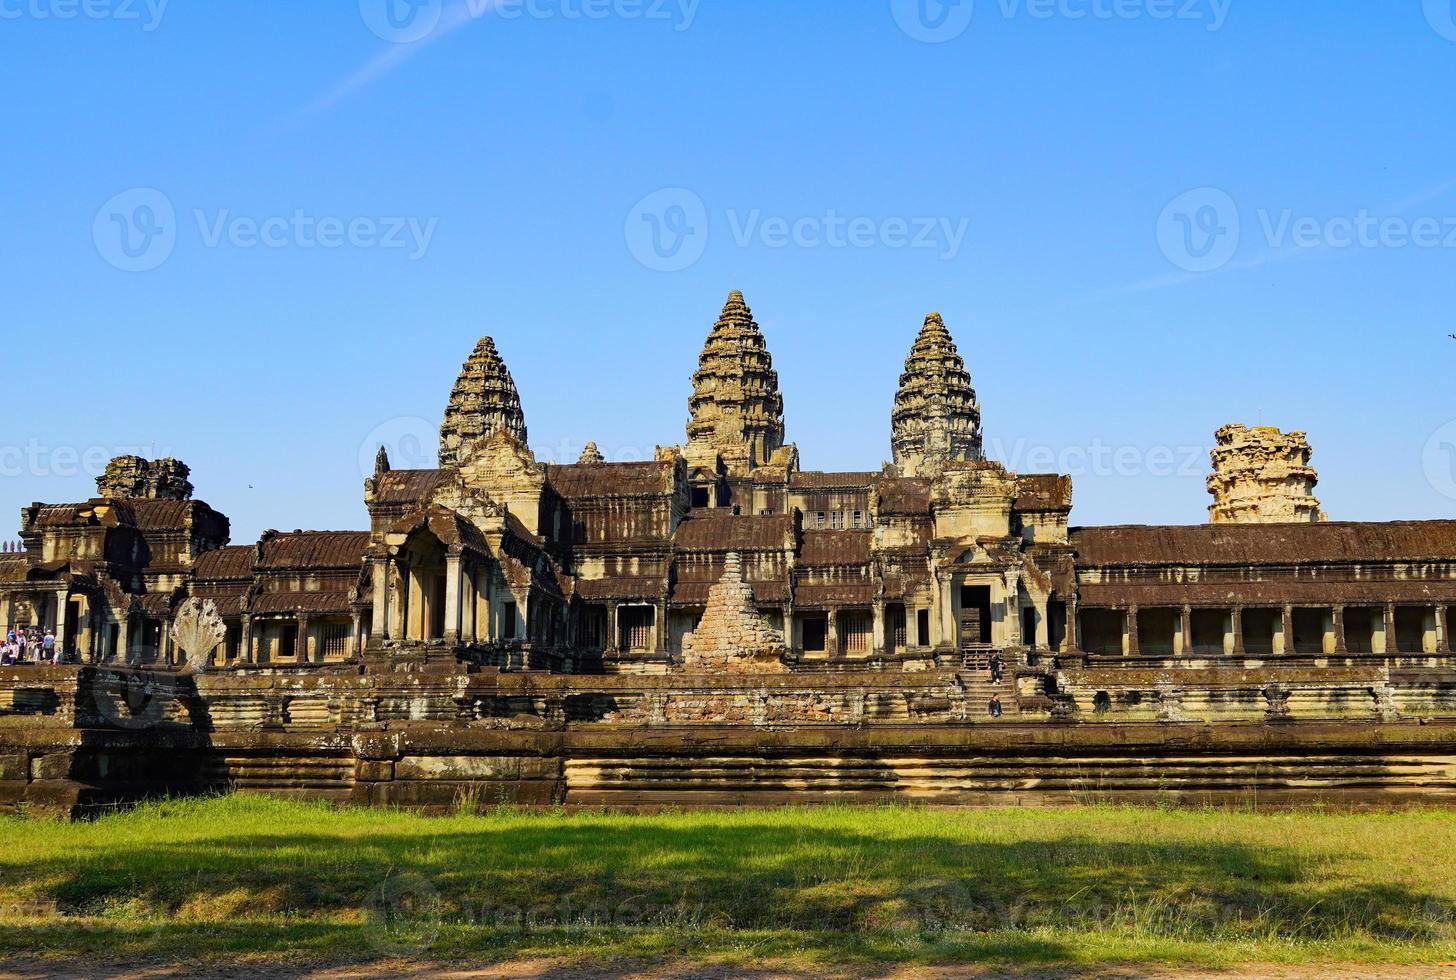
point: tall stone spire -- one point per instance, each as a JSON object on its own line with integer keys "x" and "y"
{"x": 736, "y": 406}
{"x": 936, "y": 418}
{"x": 483, "y": 402}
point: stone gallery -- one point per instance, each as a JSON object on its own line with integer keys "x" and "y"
{"x": 721, "y": 626}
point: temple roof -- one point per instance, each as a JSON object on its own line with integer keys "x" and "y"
{"x": 758, "y": 533}
{"x": 1043, "y": 492}
{"x": 813, "y": 480}
{"x": 584, "y": 480}
{"x": 313, "y": 549}
{"x": 1265, "y": 544}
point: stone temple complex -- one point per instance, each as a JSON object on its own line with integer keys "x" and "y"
{"x": 720, "y": 625}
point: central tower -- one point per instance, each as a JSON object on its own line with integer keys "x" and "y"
{"x": 937, "y": 419}
{"x": 736, "y": 407}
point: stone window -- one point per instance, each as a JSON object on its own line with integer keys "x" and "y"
{"x": 508, "y": 621}
{"x": 1263, "y": 630}
{"x": 1157, "y": 629}
{"x": 1102, "y": 631}
{"x": 1415, "y": 630}
{"x": 701, "y": 497}
{"x": 815, "y": 630}
{"x": 334, "y": 640}
{"x": 1313, "y": 629}
{"x": 922, "y": 627}
{"x": 1210, "y": 632}
{"x": 856, "y": 633}
{"x": 895, "y": 622}
{"x": 836, "y": 520}
{"x": 636, "y": 626}
{"x": 857, "y": 521}
{"x": 1363, "y": 627}
{"x": 820, "y": 519}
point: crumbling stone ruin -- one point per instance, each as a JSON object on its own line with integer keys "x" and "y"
{"x": 720, "y": 625}
{"x": 1262, "y": 476}
{"x": 732, "y": 637}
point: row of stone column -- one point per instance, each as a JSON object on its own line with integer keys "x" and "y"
{"x": 1236, "y": 616}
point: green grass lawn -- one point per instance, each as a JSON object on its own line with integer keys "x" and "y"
{"x": 260, "y": 878}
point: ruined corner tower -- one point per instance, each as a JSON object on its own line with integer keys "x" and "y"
{"x": 936, "y": 419}
{"x": 483, "y": 402}
{"x": 1263, "y": 476}
{"x": 737, "y": 411}
{"x": 135, "y": 478}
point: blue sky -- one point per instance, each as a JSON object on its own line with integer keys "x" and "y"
{"x": 1141, "y": 219}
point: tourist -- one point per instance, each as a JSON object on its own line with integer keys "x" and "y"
{"x": 48, "y": 649}
{"x": 994, "y": 709}
{"x": 998, "y": 668}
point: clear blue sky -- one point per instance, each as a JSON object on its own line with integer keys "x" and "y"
{"x": 525, "y": 140}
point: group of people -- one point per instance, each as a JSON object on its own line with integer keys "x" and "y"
{"x": 29, "y": 645}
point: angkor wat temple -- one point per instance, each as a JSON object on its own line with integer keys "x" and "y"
{"x": 720, "y": 625}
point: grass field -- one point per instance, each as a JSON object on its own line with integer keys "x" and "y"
{"x": 276, "y": 881}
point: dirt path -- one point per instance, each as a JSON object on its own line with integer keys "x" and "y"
{"x": 565, "y": 970}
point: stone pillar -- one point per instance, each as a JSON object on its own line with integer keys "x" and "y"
{"x": 302, "y": 652}
{"x": 452, "y": 598}
{"x": 659, "y": 626}
{"x": 1443, "y": 630}
{"x": 1340, "y": 641}
{"x": 9, "y": 623}
{"x": 1238, "y": 630}
{"x": 1288, "y": 630}
{"x": 123, "y": 640}
{"x": 1186, "y": 631}
{"x": 245, "y": 644}
{"x": 832, "y": 633}
{"x": 63, "y": 605}
{"x": 879, "y": 646}
{"x": 1133, "y": 646}
{"x": 1392, "y": 646}
{"x": 1012, "y": 631}
{"x": 1073, "y": 641}
{"x": 614, "y": 635}
{"x": 356, "y": 634}
{"x": 406, "y": 586}
{"x": 947, "y": 617}
{"x": 380, "y": 612}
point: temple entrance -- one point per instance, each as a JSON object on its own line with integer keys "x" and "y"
{"x": 975, "y": 616}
